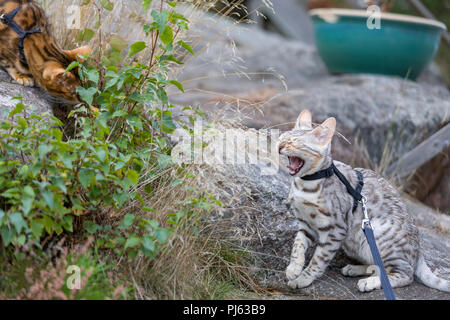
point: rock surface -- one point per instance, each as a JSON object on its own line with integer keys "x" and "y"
{"x": 35, "y": 97}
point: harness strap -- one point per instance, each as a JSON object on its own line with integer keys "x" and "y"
{"x": 358, "y": 189}
{"x": 8, "y": 19}
{"x": 328, "y": 172}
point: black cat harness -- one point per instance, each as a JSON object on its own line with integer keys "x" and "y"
{"x": 366, "y": 226}
{"x": 8, "y": 19}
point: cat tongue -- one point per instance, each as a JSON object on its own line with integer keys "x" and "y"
{"x": 295, "y": 162}
{"x": 295, "y": 165}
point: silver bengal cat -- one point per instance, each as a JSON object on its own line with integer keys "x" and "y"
{"x": 324, "y": 209}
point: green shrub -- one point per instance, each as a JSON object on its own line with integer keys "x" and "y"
{"x": 48, "y": 180}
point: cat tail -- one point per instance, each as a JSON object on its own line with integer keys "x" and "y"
{"x": 428, "y": 278}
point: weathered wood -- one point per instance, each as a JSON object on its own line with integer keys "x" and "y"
{"x": 288, "y": 16}
{"x": 421, "y": 154}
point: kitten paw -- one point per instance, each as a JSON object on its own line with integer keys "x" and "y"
{"x": 351, "y": 270}
{"x": 301, "y": 282}
{"x": 25, "y": 81}
{"x": 369, "y": 284}
{"x": 293, "y": 271}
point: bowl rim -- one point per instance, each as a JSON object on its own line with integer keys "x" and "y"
{"x": 384, "y": 15}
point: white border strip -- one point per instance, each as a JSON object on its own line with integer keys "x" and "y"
{"x": 384, "y": 15}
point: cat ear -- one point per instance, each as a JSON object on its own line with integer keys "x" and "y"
{"x": 79, "y": 53}
{"x": 324, "y": 133}
{"x": 304, "y": 120}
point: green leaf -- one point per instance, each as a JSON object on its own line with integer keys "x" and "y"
{"x": 108, "y": 5}
{"x": 146, "y": 4}
{"x": 27, "y": 199}
{"x": 101, "y": 154}
{"x": 133, "y": 176}
{"x": 176, "y": 182}
{"x": 167, "y": 124}
{"x": 20, "y": 240}
{"x": 162, "y": 234}
{"x": 7, "y": 235}
{"x": 128, "y": 220}
{"x": 71, "y": 66}
{"x": 5, "y": 125}
{"x": 17, "y": 221}
{"x": 162, "y": 95}
{"x": 118, "y": 43}
{"x": 148, "y": 244}
{"x": 170, "y": 57}
{"x": 161, "y": 19}
{"x": 186, "y": 46}
{"x": 136, "y": 48}
{"x": 132, "y": 242}
{"x": 48, "y": 224}
{"x": 90, "y": 226}
{"x": 68, "y": 223}
{"x": 178, "y": 85}
{"x": 85, "y": 35}
{"x": 49, "y": 197}
{"x": 37, "y": 228}
{"x": 164, "y": 161}
{"x": 87, "y": 94}
{"x": 18, "y": 109}
{"x": 86, "y": 177}
{"x": 43, "y": 150}
{"x": 167, "y": 36}
{"x": 93, "y": 76}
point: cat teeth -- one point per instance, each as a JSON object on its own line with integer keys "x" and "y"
{"x": 295, "y": 164}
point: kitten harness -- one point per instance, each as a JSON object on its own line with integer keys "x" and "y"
{"x": 8, "y": 19}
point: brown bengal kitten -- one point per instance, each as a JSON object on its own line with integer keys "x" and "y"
{"x": 324, "y": 209}
{"x": 46, "y": 62}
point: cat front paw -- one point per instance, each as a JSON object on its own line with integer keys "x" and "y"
{"x": 301, "y": 282}
{"x": 24, "y": 80}
{"x": 293, "y": 271}
{"x": 369, "y": 284}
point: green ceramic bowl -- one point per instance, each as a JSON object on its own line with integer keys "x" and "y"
{"x": 403, "y": 45}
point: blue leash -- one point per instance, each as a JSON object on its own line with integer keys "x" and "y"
{"x": 366, "y": 225}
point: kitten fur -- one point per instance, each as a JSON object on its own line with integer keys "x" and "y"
{"x": 45, "y": 60}
{"x": 324, "y": 209}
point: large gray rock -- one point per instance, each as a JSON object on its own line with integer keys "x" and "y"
{"x": 35, "y": 97}
{"x": 36, "y": 100}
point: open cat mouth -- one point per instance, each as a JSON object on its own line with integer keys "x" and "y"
{"x": 295, "y": 164}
